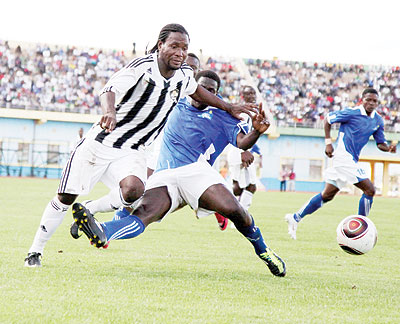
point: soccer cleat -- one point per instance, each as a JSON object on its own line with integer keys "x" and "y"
{"x": 274, "y": 262}
{"x": 90, "y": 226}
{"x": 292, "y": 225}
{"x": 33, "y": 260}
{"x": 222, "y": 221}
{"x": 74, "y": 231}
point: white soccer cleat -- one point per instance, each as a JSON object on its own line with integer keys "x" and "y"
{"x": 292, "y": 225}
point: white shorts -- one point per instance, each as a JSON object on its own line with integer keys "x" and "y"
{"x": 340, "y": 174}
{"x": 244, "y": 176}
{"x": 92, "y": 162}
{"x": 186, "y": 184}
{"x": 153, "y": 151}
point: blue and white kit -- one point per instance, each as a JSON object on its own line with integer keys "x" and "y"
{"x": 356, "y": 127}
{"x": 192, "y": 140}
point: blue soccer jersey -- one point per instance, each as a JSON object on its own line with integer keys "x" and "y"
{"x": 356, "y": 127}
{"x": 191, "y": 135}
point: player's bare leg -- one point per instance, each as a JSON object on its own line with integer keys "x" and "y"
{"x": 227, "y": 205}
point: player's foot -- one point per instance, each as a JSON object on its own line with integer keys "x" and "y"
{"x": 89, "y": 225}
{"x": 274, "y": 262}
{"x": 222, "y": 221}
{"x": 33, "y": 260}
{"x": 74, "y": 228}
{"x": 292, "y": 225}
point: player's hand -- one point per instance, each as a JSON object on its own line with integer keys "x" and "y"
{"x": 260, "y": 122}
{"x": 108, "y": 122}
{"x": 329, "y": 150}
{"x": 392, "y": 148}
{"x": 237, "y": 109}
{"x": 247, "y": 159}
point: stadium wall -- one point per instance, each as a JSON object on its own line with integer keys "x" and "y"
{"x": 39, "y": 145}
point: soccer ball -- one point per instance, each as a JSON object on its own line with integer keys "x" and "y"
{"x": 356, "y": 234}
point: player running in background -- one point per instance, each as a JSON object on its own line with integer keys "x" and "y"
{"x": 137, "y": 101}
{"x": 241, "y": 167}
{"x": 193, "y": 138}
{"x": 356, "y": 126}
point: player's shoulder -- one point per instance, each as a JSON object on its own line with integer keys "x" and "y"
{"x": 141, "y": 62}
{"x": 186, "y": 70}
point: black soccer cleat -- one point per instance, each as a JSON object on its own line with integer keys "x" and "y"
{"x": 88, "y": 225}
{"x": 33, "y": 260}
{"x": 74, "y": 230}
{"x": 274, "y": 262}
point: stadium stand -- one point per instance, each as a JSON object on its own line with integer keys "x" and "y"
{"x": 298, "y": 94}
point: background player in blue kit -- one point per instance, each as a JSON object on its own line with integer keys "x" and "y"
{"x": 194, "y": 136}
{"x": 356, "y": 126}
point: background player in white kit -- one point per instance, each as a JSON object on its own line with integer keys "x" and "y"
{"x": 356, "y": 126}
{"x": 137, "y": 101}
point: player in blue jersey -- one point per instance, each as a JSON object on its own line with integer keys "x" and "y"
{"x": 194, "y": 136}
{"x": 356, "y": 126}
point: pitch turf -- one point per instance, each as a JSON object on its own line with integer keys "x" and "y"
{"x": 185, "y": 270}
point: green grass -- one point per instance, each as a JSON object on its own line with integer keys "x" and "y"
{"x": 185, "y": 270}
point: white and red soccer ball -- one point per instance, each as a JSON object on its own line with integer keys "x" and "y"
{"x": 356, "y": 234}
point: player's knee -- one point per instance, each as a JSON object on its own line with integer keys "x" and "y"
{"x": 252, "y": 188}
{"x": 370, "y": 191}
{"x": 132, "y": 190}
{"x": 66, "y": 199}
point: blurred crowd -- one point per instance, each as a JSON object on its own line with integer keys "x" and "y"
{"x": 55, "y": 79}
{"x": 297, "y": 93}
{"x": 300, "y": 94}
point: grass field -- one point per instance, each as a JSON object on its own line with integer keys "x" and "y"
{"x": 185, "y": 270}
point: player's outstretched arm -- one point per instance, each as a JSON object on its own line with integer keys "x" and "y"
{"x": 260, "y": 126}
{"x": 328, "y": 141}
{"x": 206, "y": 97}
{"x": 108, "y": 120}
{"x": 387, "y": 148}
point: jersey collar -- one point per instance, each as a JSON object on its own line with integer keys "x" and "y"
{"x": 364, "y": 112}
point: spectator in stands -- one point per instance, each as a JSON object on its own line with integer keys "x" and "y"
{"x": 292, "y": 181}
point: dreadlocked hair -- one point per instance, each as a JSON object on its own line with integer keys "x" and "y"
{"x": 164, "y": 33}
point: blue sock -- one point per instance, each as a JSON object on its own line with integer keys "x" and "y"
{"x": 125, "y": 228}
{"x": 311, "y": 206}
{"x": 253, "y": 234}
{"x": 121, "y": 213}
{"x": 365, "y": 205}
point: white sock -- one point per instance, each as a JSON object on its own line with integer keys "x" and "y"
{"x": 246, "y": 198}
{"x": 108, "y": 203}
{"x": 52, "y": 217}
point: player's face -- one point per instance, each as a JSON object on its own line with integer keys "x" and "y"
{"x": 173, "y": 51}
{"x": 194, "y": 64}
{"x": 210, "y": 85}
{"x": 370, "y": 102}
{"x": 249, "y": 95}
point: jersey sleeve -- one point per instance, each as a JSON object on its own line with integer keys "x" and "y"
{"x": 379, "y": 134}
{"x": 190, "y": 85}
{"x": 339, "y": 116}
{"x": 121, "y": 81}
{"x": 255, "y": 149}
{"x": 234, "y": 128}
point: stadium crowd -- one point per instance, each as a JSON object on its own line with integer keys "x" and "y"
{"x": 55, "y": 79}
{"x": 297, "y": 93}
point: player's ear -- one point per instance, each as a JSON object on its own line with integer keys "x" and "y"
{"x": 159, "y": 44}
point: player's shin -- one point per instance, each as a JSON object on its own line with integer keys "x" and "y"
{"x": 52, "y": 217}
{"x": 365, "y": 204}
{"x": 253, "y": 234}
{"x": 124, "y": 228}
{"x": 311, "y": 206}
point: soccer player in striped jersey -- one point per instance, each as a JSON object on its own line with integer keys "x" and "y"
{"x": 356, "y": 126}
{"x": 137, "y": 101}
{"x": 194, "y": 136}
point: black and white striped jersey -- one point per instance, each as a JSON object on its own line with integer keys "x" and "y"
{"x": 144, "y": 99}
